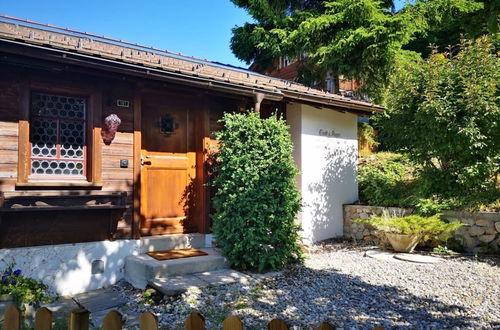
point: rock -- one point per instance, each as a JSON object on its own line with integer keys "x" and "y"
{"x": 366, "y": 232}
{"x": 476, "y": 231}
{"x": 364, "y": 216}
{"x": 490, "y": 231}
{"x": 486, "y": 238}
{"x": 466, "y": 220}
{"x": 497, "y": 242}
{"x": 359, "y": 235}
{"x": 469, "y": 242}
{"x": 497, "y": 226}
{"x": 483, "y": 223}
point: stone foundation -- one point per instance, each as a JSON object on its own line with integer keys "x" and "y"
{"x": 481, "y": 232}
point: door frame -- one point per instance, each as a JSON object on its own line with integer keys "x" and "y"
{"x": 201, "y": 131}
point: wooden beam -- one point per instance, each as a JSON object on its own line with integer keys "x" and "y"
{"x": 258, "y": 97}
{"x": 23, "y": 164}
{"x": 95, "y": 147}
{"x": 136, "y": 218}
{"x": 202, "y": 131}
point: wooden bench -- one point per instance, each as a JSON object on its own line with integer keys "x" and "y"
{"x": 29, "y": 220}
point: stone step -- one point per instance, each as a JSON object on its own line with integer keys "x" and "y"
{"x": 140, "y": 269}
{"x": 172, "y": 241}
{"x": 175, "y": 285}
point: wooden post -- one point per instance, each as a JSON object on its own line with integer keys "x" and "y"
{"x": 258, "y": 97}
{"x": 277, "y": 324}
{"x": 112, "y": 321}
{"x": 325, "y": 326}
{"x": 232, "y": 323}
{"x": 43, "y": 319}
{"x": 23, "y": 164}
{"x": 148, "y": 321}
{"x": 194, "y": 322}
{"x": 12, "y": 318}
{"x": 79, "y": 319}
{"x": 136, "y": 217}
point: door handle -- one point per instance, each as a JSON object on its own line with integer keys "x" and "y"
{"x": 145, "y": 162}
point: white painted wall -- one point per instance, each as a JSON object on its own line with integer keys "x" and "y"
{"x": 66, "y": 268}
{"x": 328, "y": 166}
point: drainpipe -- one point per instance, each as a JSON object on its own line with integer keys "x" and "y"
{"x": 258, "y": 98}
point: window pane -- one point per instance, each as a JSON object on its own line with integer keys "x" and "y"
{"x": 43, "y": 137}
{"x": 72, "y": 138}
{"x": 58, "y": 106}
{"x": 57, "y": 135}
{"x": 55, "y": 167}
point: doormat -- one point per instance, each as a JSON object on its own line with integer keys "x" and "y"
{"x": 176, "y": 254}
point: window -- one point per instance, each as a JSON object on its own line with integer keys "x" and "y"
{"x": 57, "y": 136}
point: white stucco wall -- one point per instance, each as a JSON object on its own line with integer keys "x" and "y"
{"x": 67, "y": 268}
{"x": 326, "y": 153}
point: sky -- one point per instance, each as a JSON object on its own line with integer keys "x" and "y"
{"x": 200, "y": 28}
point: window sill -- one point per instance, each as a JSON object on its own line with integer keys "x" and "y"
{"x": 57, "y": 185}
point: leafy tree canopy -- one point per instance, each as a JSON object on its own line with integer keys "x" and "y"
{"x": 442, "y": 23}
{"x": 359, "y": 39}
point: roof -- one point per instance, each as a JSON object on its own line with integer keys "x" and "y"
{"x": 164, "y": 62}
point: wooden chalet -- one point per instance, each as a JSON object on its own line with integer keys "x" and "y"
{"x": 102, "y": 139}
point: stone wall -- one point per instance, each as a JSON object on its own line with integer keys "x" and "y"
{"x": 482, "y": 229}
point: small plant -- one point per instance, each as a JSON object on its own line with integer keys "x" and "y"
{"x": 24, "y": 290}
{"x": 442, "y": 249}
{"x": 427, "y": 228}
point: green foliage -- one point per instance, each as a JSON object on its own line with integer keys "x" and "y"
{"x": 256, "y": 200}
{"x": 22, "y": 289}
{"x": 354, "y": 38}
{"x": 444, "y": 112}
{"x": 359, "y": 39}
{"x": 442, "y": 249}
{"x": 366, "y": 134}
{"x": 444, "y": 22}
{"x": 428, "y": 228}
{"x": 387, "y": 179}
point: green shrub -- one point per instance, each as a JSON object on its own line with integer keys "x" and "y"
{"x": 444, "y": 112}
{"x": 387, "y": 179}
{"x": 430, "y": 229}
{"x": 22, "y": 289}
{"x": 256, "y": 200}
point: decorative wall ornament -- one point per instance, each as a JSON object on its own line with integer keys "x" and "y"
{"x": 111, "y": 124}
{"x": 168, "y": 125}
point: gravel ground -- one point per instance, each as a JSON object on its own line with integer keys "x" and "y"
{"x": 340, "y": 285}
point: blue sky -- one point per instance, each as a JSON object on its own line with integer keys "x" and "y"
{"x": 200, "y": 28}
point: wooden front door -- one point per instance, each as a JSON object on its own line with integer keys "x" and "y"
{"x": 168, "y": 166}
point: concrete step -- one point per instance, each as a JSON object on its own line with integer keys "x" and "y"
{"x": 172, "y": 241}
{"x": 140, "y": 269}
{"x": 176, "y": 285}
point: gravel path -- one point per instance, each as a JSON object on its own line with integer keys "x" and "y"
{"x": 340, "y": 285}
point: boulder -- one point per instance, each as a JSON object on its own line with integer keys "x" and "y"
{"x": 483, "y": 223}
{"x": 476, "y": 231}
{"x": 486, "y": 238}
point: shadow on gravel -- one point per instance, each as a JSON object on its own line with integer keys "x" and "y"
{"x": 346, "y": 301}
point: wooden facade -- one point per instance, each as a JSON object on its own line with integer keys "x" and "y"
{"x": 165, "y": 177}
